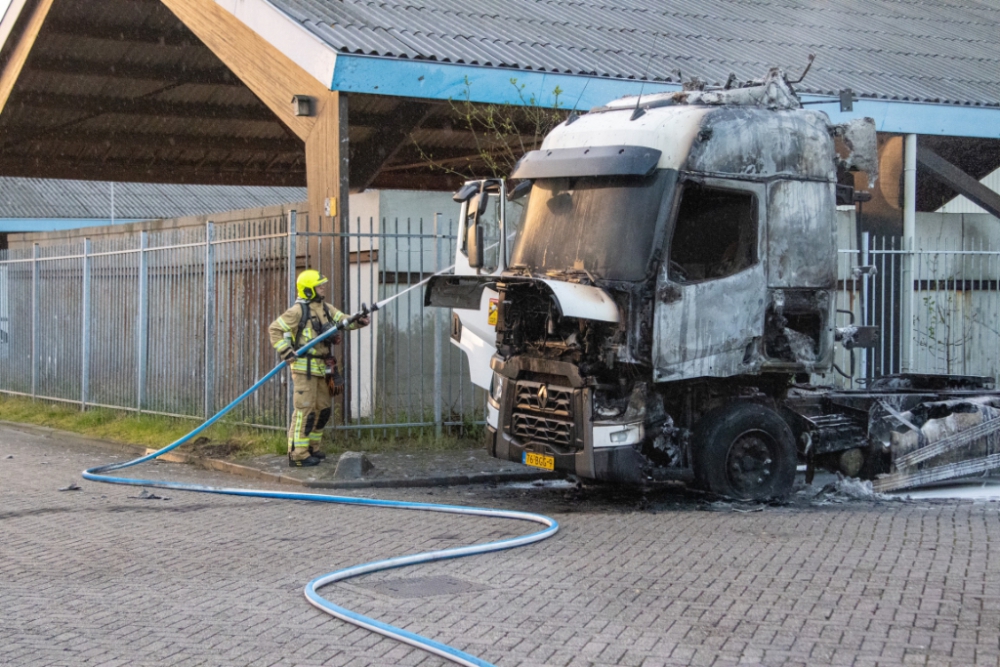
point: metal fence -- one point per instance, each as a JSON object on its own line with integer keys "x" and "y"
{"x": 936, "y": 308}
{"x": 175, "y": 322}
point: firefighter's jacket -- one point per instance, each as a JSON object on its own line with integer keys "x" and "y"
{"x": 283, "y": 330}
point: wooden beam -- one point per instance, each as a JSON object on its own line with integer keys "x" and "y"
{"x": 141, "y": 106}
{"x": 327, "y": 176}
{"x": 371, "y": 156}
{"x": 216, "y": 76}
{"x": 327, "y": 172}
{"x": 270, "y": 74}
{"x": 177, "y": 36}
{"x": 144, "y": 140}
{"x": 427, "y": 180}
{"x": 961, "y": 182}
{"x": 19, "y": 55}
{"x": 139, "y": 171}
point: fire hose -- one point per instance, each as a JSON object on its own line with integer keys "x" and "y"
{"x": 99, "y": 474}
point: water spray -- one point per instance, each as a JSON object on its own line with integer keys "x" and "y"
{"x": 99, "y": 474}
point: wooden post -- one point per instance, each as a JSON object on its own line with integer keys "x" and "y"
{"x": 11, "y": 70}
{"x": 328, "y": 191}
{"x": 327, "y": 180}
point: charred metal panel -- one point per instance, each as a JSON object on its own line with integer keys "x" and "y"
{"x": 861, "y": 141}
{"x": 798, "y": 331}
{"x": 801, "y": 234}
{"x": 757, "y": 143}
{"x": 712, "y": 329}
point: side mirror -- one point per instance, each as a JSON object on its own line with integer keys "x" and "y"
{"x": 521, "y": 189}
{"x": 482, "y": 204}
{"x": 474, "y": 244}
{"x": 465, "y": 192}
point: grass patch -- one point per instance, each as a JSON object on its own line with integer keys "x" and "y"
{"x": 141, "y": 429}
{"x": 223, "y": 440}
{"x": 378, "y": 441}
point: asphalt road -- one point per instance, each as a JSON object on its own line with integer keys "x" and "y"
{"x": 102, "y": 576}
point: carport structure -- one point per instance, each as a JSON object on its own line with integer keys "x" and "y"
{"x": 201, "y": 91}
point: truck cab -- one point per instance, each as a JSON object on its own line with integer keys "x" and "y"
{"x": 672, "y": 268}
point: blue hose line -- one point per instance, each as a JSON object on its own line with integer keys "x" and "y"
{"x": 97, "y": 474}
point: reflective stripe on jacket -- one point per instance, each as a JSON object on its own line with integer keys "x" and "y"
{"x": 283, "y": 329}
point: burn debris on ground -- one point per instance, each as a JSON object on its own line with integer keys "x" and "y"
{"x": 148, "y": 495}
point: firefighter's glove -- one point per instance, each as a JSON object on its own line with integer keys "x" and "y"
{"x": 334, "y": 380}
{"x": 288, "y": 355}
{"x": 363, "y": 321}
{"x": 336, "y": 338}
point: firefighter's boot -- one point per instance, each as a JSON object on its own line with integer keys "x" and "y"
{"x": 307, "y": 462}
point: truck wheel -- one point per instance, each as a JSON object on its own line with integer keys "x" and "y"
{"x": 744, "y": 451}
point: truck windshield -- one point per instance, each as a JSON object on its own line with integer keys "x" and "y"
{"x": 603, "y": 226}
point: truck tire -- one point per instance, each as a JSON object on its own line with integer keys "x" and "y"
{"x": 744, "y": 451}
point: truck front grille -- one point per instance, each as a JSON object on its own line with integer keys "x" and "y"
{"x": 529, "y": 428}
{"x": 543, "y": 414}
{"x": 551, "y": 400}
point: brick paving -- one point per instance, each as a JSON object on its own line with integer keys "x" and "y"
{"x": 102, "y": 577}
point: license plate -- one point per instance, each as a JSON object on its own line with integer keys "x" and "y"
{"x": 539, "y": 461}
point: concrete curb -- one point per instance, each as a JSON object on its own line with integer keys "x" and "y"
{"x": 248, "y": 472}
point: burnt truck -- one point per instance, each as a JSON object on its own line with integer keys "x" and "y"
{"x": 652, "y": 298}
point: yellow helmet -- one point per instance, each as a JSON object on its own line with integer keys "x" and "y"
{"x": 307, "y": 283}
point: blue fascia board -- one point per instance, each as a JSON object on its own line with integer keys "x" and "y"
{"x": 426, "y": 79}
{"x": 31, "y": 225}
{"x": 898, "y": 117}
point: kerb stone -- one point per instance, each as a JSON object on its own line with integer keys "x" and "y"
{"x": 352, "y": 465}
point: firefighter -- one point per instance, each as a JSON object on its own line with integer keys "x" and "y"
{"x": 314, "y": 375}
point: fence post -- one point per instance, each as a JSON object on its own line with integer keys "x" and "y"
{"x": 865, "y": 279}
{"x": 292, "y": 255}
{"x": 909, "y": 236}
{"x": 34, "y": 321}
{"x": 906, "y": 294}
{"x": 341, "y": 241}
{"x": 142, "y": 326}
{"x": 292, "y": 260}
{"x": 85, "y": 334}
{"x": 209, "y": 319}
{"x": 438, "y": 352}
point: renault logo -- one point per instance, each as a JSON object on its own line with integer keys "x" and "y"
{"x": 543, "y": 396}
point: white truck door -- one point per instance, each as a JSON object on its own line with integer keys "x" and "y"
{"x": 474, "y": 331}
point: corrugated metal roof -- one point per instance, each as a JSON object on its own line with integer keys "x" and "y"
{"x": 918, "y": 50}
{"x": 50, "y": 198}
